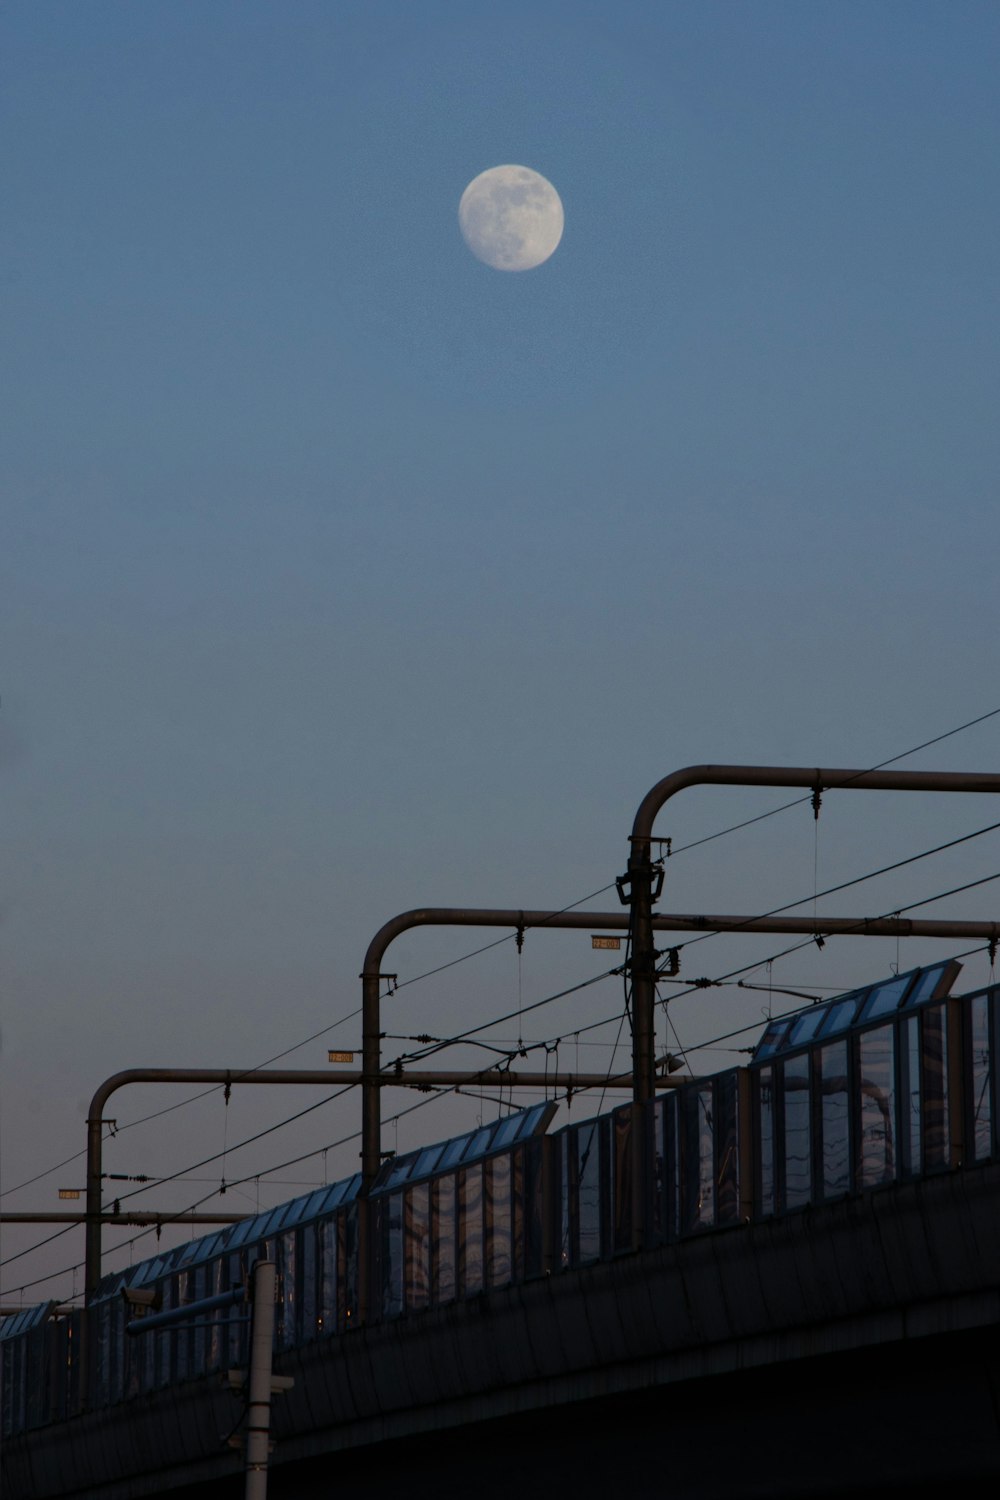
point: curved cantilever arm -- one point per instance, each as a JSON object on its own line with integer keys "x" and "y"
{"x": 372, "y": 1077}
{"x": 815, "y": 778}
{"x": 640, "y": 897}
{"x": 432, "y": 916}
{"x": 95, "y": 1124}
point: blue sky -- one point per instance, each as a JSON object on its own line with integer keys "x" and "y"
{"x": 341, "y": 573}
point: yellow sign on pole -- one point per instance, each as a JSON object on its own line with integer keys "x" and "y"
{"x": 340, "y": 1057}
{"x": 605, "y": 942}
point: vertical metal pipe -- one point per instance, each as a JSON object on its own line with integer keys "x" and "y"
{"x": 95, "y": 1169}
{"x": 371, "y": 1123}
{"x": 371, "y": 1063}
{"x": 92, "y": 1239}
{"x": 818, "y": 779}
{"x": 642, "y": 970}
{"x": 259, "y": 1402}
{"x": 95, "y": 1122}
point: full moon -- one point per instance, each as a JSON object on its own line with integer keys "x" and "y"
{"x": 511, "y": 217}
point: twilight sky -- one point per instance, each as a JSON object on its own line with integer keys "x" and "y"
{"x": 340, "y": 573}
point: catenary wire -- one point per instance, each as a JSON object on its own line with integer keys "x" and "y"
{"x": 422, "y": 1103}
{"x": 798, "y": 801}
{"x": 183, "y": 1103}
{"x": 193, "y": 1166}
{"x": 708, "y": 838}
{"x": 463, "y": 1036}
{"x": 937, "y": 739}
{"x": 498, "y": 1020}
{"x": 846, "y": 884}
{"x": 693, "y": 989}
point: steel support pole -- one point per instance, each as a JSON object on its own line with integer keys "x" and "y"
{"x": 95, "y": 1124}
{"x": 371, "y": 981}
{"x": 95, "y": 1219}
{"x": 372, "y": 976}
{"x": 817, "y": 779}
{"x": 642, "y": 969}
{"x": 373, "y": 1078}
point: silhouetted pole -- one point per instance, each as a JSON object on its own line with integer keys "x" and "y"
{"x": 641, "y": 870}
{"x": 641, "y": 922}
{"x": 642, "y": 969}
{"x": 259, "y": 1396}
{"x": 95, "y": 1123}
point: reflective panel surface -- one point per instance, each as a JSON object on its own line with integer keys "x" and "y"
{"x": 877, "y": 1094}
{"x": 797, "y": 1134}
{"x": 835, "y": 1147}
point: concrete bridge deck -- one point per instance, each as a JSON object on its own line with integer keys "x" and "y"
{"x": 850, "y": 1346}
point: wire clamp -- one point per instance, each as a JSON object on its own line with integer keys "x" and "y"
{"x": 654, "y": 874}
